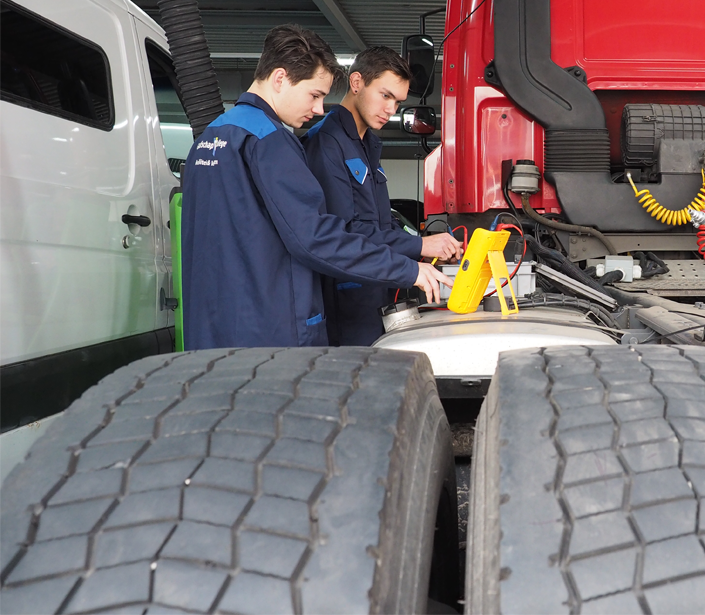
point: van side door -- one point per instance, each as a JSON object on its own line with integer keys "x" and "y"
{"x": 170, "y": 138}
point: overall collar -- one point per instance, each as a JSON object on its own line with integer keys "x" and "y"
{"x": 259, "y": 102}
{"x": 347, "y": 121}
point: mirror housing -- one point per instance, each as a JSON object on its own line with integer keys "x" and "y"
{"x": 417, "y": 50}
{"x": 420, "y": 120}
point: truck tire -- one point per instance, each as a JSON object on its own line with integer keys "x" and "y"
{"x": 238, "y": 481}
{"x": 588, "y": 483}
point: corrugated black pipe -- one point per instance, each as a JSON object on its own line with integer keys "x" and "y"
{"x": 556, "y": 99}
{"x": 195, "y": 73}
{"x": 576, "y": 135}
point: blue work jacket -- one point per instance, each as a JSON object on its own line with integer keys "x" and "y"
{"x": 349, "y": 171}
{"x": 255, "y": 237}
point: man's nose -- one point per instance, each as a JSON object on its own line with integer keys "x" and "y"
{"x": 318, "y": 107}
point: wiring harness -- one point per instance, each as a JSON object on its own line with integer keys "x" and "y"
{"x": 540, "y": 299}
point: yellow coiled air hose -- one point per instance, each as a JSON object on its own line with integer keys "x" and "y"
{"x": 668, "y": 216}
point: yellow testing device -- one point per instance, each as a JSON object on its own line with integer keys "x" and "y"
{"x": 483, "y": 260}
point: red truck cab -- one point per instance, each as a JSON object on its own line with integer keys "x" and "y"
{"x": 549, "y": 81}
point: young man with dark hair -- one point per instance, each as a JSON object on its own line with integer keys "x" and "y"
{"x": 255, "y": 235}
{"x": 344, "y": 155}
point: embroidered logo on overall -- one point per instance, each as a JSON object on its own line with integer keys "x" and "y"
{"x": 212, "y": 145}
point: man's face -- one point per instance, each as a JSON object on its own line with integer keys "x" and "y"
{"x": 379, "y": 100}
{"x": 299, "y": 103}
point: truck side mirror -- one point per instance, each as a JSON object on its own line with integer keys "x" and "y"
{"x": 418, "y": 120}
{"x": 417, "y": 49}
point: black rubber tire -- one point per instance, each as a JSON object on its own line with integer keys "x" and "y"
{"x": 243, "y": 481}
{"x": 588, "y": 483}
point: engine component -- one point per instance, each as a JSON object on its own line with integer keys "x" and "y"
{"x": 525, "y": 177}
{"x": 577, "y": 143}
{"x": 562, "y": 226}
{"x": 669, "y": 324}
{"x": 575, "y": 287}
{"x": 600, "y": 270}
{"x": 663, "y": 138}
{"x": 524, "y": 180}
{"x": 396, "y": 314}
{"x": 669, "y": 216}
{"x": 557, "y": 261}
{"x": 625, "y": 264}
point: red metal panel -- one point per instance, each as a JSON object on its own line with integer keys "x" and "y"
{"x": 433, "y": 188}
{"x": 637, "y": 42}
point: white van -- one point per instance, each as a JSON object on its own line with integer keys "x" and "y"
{"x": 89, "y": 102}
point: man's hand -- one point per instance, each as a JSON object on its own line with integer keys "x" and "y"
{"x": 442, "y": 246}
{"x": 428, "y": 279}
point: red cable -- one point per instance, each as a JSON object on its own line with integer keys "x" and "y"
{"x": 701, "y": 241}
{"x": 465, "y": 236}
{"x": 501, "y": 227}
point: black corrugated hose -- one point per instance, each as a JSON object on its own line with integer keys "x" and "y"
{"x": 195, "y": 73}
{"x": 610, "y": 277}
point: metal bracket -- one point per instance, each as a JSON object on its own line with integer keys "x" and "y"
{"x": 167, "y": 303}
{"x": 577, "y": 72}
{"x": 491, "y": 76}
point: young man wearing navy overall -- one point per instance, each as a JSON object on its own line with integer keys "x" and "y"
{"x": 344, "y": 155}
{"x": 255, "y": 235}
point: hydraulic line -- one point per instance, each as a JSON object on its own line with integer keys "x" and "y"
{"x": 561, "y": 226}
{"x": 668, "y": 216}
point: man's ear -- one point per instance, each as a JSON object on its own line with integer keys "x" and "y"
{"x": 277, "y": 79}
{"x": 356, "y": 82}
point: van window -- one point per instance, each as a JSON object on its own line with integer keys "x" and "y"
{"x": 173, "y": 122}
{"x": 52, "y": 70}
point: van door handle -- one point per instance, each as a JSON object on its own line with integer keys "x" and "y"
{"x": 138, "y": 220}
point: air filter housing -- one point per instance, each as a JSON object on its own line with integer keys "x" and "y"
{"x": 663, "y": 138}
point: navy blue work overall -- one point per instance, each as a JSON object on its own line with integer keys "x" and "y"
{"x": 355, "y": 185}
{"x": 255, "y": 237}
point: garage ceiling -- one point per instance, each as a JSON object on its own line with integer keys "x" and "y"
{"x": 235, "y": 29}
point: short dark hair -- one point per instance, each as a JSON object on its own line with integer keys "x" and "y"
{"x": 299, "y": 52}
{"x": 374, "y": 61}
